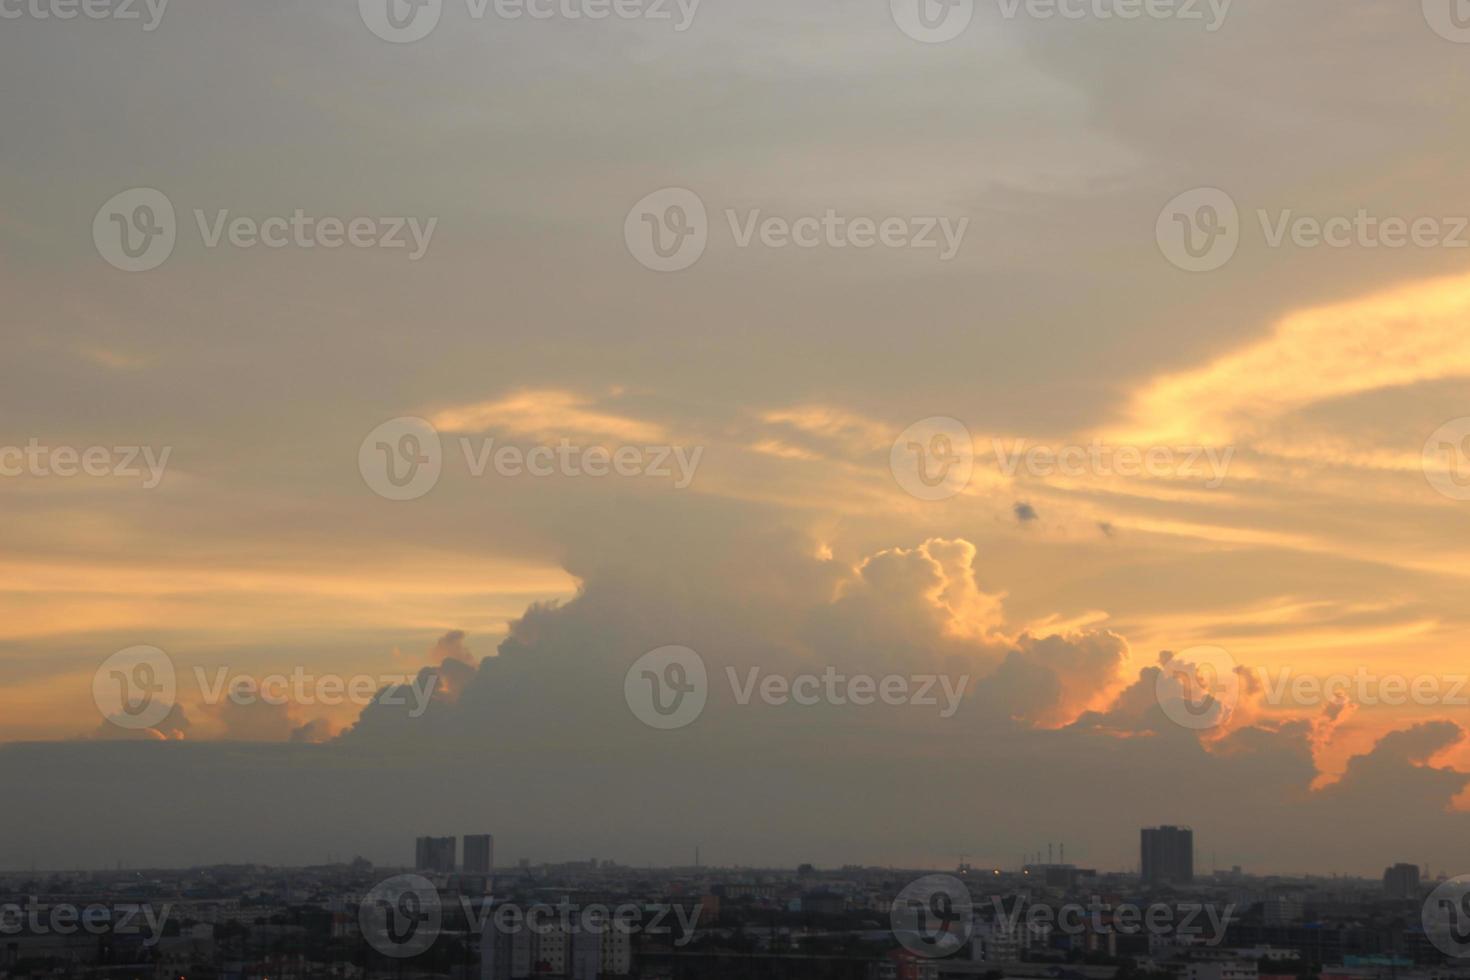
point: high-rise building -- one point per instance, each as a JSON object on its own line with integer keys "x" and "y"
{"x": 1401, "y": 881}
{"x": 434, "y": 854}
{"x": 1166, "y": 855}
{"x": 479, "y": 853}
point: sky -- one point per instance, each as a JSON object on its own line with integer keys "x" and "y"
{"x": 1197, "y": 408}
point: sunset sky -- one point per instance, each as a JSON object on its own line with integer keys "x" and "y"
{"x": 1319, "y": 373}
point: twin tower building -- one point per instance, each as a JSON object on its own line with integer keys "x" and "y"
{"x": 440, "y": 854}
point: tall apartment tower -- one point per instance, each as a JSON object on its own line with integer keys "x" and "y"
{"x": 435, "y": 853}
{"x": 1401, "y": 881}
{"x": 479, "y": 853}
{"x": 1166, "y": 855}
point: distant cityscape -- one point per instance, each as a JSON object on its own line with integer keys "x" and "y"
{"x": 453, "y": 913}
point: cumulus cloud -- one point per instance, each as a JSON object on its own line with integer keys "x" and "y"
{"x": 1047, "y": 726}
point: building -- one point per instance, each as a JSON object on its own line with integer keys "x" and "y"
{"x": 1166, "y": 855}
{"x": 1222, "y": 970}
{"x": 435, "y": 854}
{"x": 1401, "y": 881}
{"x": 479, "y": 853}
